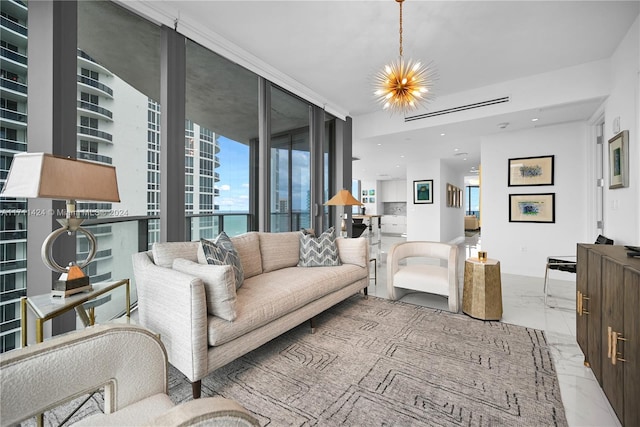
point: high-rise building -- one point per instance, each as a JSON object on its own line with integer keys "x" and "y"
{"x": 116, "y": 125}
{"x": 13, "y": 140}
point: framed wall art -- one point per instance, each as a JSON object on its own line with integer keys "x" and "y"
{"x": 619, "y": 160}
{"x": 532, "y": 207}
{"x": 531, "y": 171}
{"x": 423, "y": 191}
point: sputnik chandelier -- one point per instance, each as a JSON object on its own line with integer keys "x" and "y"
{"x": 403, "y": 85}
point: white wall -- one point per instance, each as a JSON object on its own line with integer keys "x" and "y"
{"x": 622, "y": 205}
{"x": 423, "y": 220}
{"x": 522, "y": 248}
{"x": 451, "y": 219}
{"x": 372, "y": 208}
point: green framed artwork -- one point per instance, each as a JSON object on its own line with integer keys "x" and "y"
{"x": 423, "y": 191}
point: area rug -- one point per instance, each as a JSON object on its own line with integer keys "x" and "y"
{"x": 379, "y": 362}
{"x": 375, "y": 362}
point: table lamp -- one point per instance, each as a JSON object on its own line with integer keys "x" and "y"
{"x": 343, "y": 198}
{"x": 41, "y": 175}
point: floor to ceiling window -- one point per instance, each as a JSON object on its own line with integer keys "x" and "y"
{"x": 290, "y": 162}
{"x": 472, "y": 201}
{"x": 13, "y": 140}
{"x": 118, "y": 121}
{"x": 222, "y": 108}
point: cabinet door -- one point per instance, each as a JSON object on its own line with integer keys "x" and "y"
{"x": 388, "y": 191}
{"x": 612, "y": 320}
{"x": 594, "y": 318}
{"x": 582, "y": 315}
{"x": 631, "y": 347}
{"x": 401, "y": 191}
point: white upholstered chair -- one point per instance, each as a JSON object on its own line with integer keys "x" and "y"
{"x": 127, "y": 360}
{"x": 433, "y": 269}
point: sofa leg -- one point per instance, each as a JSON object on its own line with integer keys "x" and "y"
{"x": 312, "y": 324}
{"x": 196, "y": 389}
{"x": 366, "y": 293}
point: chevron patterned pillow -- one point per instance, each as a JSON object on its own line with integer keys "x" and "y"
{"x": 318, "y": 251}
{"x": 221, "y": 251}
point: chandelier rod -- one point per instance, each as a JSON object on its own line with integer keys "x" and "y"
{"x": 400, "y": 1}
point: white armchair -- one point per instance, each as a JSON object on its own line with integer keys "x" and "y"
{"x": 128, "y": 361}
{"x": 434, "y": 270}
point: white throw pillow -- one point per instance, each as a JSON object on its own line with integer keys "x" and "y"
{"x": 219, "y": 286}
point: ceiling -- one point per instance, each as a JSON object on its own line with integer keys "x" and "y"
{"x": 334, "y": 48}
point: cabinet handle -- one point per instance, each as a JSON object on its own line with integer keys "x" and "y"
{"x": 609, "y": 330}
{"x": 615, "y": 337}
{"x": 619, "y": 337}
{"x": 579, "y": 303}
{"x": 582, "y": 309}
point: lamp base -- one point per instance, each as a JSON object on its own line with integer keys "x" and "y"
{"x": 64, "y": 288}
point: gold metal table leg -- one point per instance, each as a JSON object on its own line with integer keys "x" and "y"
{"x": 23, "y": 321}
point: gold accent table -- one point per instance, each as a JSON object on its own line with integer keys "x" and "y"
{"x": 482, "y": 293}
{"x": 45, "y": 307}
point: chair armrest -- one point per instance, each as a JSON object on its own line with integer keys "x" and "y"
{"x": 173, "y": 304}
{"x": 43, "y": 376}
{"x": 210, "y": 411}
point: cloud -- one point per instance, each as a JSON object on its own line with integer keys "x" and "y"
{"x": 224, "y": 187}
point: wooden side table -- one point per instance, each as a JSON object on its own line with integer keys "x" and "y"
{"x": 482, "y": 293}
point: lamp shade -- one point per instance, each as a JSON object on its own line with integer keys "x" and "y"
{"x": 343, "y": 198}
{"x": 41, "y": 175}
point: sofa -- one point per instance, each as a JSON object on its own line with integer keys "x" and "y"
{"x": 471, "y": 222}
{"x": 206, "y": 319}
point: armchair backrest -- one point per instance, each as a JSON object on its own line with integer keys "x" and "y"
{"x": 129, "y": 361}
{"x": 435, "y": 250}
{"x": 602, "y": 240}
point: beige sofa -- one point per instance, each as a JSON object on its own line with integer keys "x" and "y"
{"x": 275, "y": 296}
{"x": 471, "y": 222}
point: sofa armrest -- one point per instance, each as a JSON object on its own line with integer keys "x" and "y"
{"x": 354, "y": 251}
{"x": 173, "y": 305}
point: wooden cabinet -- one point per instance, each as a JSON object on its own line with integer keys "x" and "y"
{"x": 608, "y": 324}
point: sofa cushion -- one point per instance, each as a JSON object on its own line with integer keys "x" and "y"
{"x": 353, "y": 251}
{"x": 318, "y": 251}
{"x": 279, "y": 250}
{"x": 219, "y": 286}
{"x": 221, "y": 251}
{"x": 248, "y": 247}
{"x": 165, "y": 252}
{"x": 269, "y": 296}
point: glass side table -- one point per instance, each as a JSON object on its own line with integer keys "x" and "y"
{"x": 46, "y": 307}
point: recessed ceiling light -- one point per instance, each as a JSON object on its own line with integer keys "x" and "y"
{"x": 534, "y": 120}
{"x": 503, "y": 125}
{"x": 442, "y": 134}
{"x": 402, "y": 156}
{"x": 456, "y": 149}
{"x": 379, "y": 144}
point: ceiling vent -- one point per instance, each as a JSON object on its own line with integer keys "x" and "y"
{"x": 458, "y": 109}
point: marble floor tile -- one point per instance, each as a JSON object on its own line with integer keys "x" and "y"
{"x": 523, "y": 304}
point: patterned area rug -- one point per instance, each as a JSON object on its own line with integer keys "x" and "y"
{"x": 379, "y": 362}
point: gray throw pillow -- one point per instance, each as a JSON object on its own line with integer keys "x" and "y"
{"x": 319, "y": 251}
{"x": 221, "y": 251}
